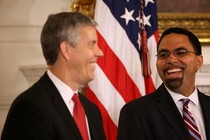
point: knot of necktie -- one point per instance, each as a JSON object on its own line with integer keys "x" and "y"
{"x": 185, "y": 102}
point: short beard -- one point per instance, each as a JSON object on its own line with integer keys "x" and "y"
{"x": 174, "y": 83}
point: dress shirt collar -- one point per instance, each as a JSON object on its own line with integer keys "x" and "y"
{"x": 177, "y": 96}
{"x": 65, "y": 91}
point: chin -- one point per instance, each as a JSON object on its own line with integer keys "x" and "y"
{"x": 90, "y": 78}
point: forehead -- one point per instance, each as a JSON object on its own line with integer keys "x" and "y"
{"x": 173, "y": 41}
{"x": 88, "y": 30}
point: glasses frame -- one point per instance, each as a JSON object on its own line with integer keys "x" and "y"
{"x": 178, "y": 53}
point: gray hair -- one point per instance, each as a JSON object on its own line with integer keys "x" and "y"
{"x": 64, "y": 26}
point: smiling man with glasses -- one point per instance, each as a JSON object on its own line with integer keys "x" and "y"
{"x": 164, "y": 114}
{"x": 178, "y": 59}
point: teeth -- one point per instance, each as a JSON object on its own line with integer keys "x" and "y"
{"x": 173, "y": 70}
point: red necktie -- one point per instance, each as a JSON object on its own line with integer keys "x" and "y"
{"x": 79, "y": 117}
{"x": 189, "y": 121}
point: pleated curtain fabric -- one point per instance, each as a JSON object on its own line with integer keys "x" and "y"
{"x": 189, "y": 121}
{"x": 79, "y": 117}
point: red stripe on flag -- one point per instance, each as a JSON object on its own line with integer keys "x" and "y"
{"x": 149, "y": 86}
{"x": 109, "y": 127}
{"x": 156, "y": 35}
{"x": 116, "y": 72}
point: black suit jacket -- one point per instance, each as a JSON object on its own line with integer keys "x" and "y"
{"x": 41, "y": 114}
{"x": 156, "y": 117}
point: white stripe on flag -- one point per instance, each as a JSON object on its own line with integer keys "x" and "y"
{"x": 107, "y": 94}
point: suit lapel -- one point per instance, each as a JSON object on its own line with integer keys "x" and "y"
{"x": 205, "y": 105}
{"x": 63, "y": 110}
{"x": 60, "y": 105}
{"x": 172, "y": 115}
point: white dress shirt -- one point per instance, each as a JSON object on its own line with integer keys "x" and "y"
{"x": 194, "y": 107}
{"x": 66, "y": 93}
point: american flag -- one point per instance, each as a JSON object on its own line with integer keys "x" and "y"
{"x": 120, "y": 76}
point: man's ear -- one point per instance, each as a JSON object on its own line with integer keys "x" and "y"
{"x": 65, "y": 50}
{"x": 199, "y": 62}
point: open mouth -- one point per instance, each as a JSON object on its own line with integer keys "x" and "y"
{"x": 173, "y": 72}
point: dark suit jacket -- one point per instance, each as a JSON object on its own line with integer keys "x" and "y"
{"x": 41, "y": 114}
{"x": 156, "y": 117}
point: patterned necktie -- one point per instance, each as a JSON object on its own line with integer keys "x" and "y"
{"x": 79, "y": 117}
{"x": 189, "y": 121}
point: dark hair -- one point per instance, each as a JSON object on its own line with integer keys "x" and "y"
{"x": 192, "y": 38}
{"x": 60, "y": 27}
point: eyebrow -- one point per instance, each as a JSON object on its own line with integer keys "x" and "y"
{"x": 163, "y": 50}
{"x": 178, "y": 48}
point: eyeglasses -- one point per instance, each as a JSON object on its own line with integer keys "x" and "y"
{"x": 180, "y": 52}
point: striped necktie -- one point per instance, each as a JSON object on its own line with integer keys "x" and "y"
{"x": 189, "y": 121}
{"x": 79, "y": 117}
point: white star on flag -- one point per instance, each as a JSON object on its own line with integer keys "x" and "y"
{"x": 128, "y": 16}
{"x": 147, "y": 1}
{"x": 146, "y": 20}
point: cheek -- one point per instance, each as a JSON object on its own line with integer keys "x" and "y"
{"x": 192, "y": 67}
{"x": 160, "y": 65}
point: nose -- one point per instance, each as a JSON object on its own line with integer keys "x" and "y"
{"x": 172, "y": 55}
{"x": 171, "y": 58}
{"x": 99, "y": 52}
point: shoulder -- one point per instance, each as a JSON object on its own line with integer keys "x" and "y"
{"x": 141, "y": 103}
{"x": 148, "y": 101}
{"x": 35, "y": 96}
{"x": 203, "y": 97}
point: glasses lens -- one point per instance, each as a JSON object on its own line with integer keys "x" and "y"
{"x": 180, "y": 52}
{"x": 163, "y": 54}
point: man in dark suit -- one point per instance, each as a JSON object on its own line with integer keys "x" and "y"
{"x": 46, "y": 110}
{"x": 159, "y": 115}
